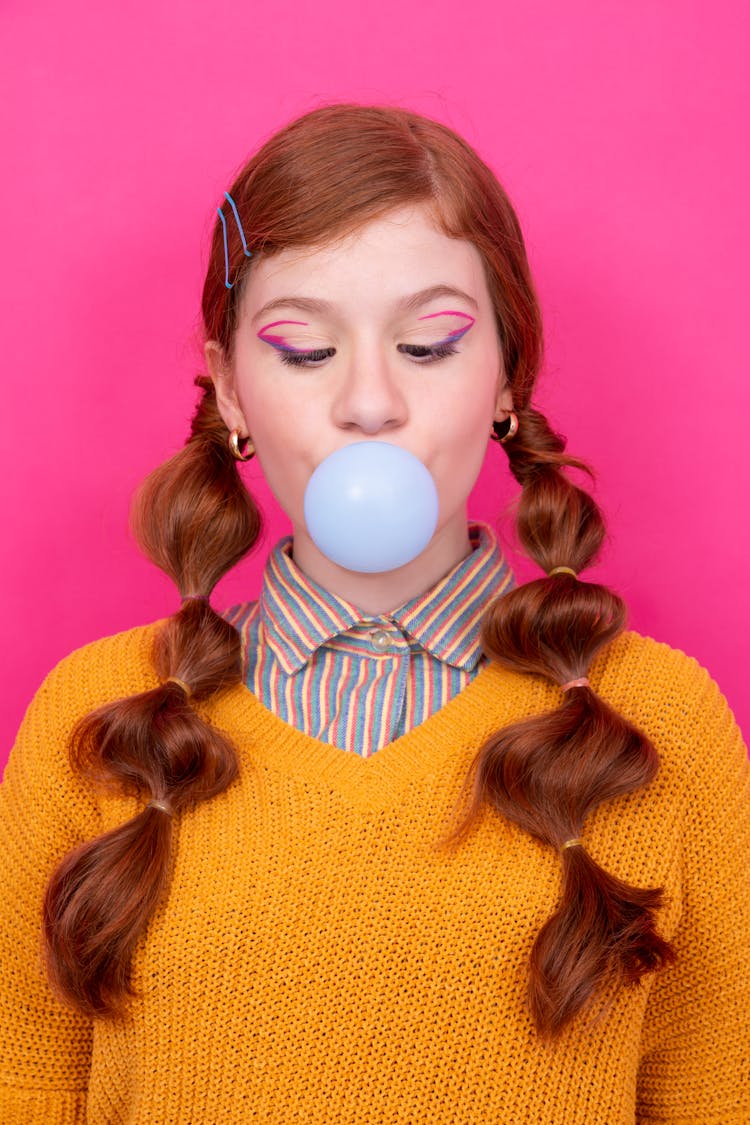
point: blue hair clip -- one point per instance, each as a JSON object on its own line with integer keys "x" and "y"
{"x": 248, "y": 253}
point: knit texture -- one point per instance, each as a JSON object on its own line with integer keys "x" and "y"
{"x": 317, "y": 960}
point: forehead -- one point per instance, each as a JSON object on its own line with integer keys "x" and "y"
{"x": 400, "y": 253}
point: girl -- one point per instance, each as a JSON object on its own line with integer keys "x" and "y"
{"x": 401, "y": 841}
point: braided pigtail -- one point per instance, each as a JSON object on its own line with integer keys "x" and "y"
{"x": 195, "y": 519}
{"x": 549, "y": 772}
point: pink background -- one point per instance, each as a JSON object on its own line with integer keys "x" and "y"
{"x": 619, "y": 131}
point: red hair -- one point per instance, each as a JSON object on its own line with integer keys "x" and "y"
{"x": 321, "y": 177}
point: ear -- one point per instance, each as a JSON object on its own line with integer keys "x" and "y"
{"x": 503, "y": 398}
{"x": 223, "y": 380}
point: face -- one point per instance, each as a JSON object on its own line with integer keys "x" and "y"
{"x": 388, "y": 335}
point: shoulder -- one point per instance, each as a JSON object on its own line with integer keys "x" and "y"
{"x": 98, "y": 672}
{"x": 38, "y": 768}
{"x": 647, "y": 671}
{"x": 671, "y": 697}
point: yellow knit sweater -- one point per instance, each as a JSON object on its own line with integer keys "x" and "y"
{"x": 316, "y": 961}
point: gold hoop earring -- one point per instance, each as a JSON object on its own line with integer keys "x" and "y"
{"x": 234, "y": 446}
{"x": 504, "y": 431}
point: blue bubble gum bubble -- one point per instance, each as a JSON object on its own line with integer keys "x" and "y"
{"x": 371, "y": 507}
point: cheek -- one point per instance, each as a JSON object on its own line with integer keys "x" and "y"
{"x": 461, "y": 449}
{"x": 462, "y": 428}
{"x": 283, "y": 430}
{"x": 463, "y": 412}
{"x": 271, "y": 416}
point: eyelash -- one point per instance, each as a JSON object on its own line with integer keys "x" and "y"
{"x": 427, "y": 355}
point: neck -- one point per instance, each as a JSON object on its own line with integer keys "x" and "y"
{"x": 378, "y": 594}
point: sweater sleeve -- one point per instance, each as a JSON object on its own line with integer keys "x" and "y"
{"x": 695, "y": 1060}
{"x": 45, "y": 810}
{"x": 45, "y": 1047}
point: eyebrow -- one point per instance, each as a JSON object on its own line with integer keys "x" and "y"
{"x": 403, "y": 304}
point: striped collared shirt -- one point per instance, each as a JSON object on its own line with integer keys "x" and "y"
{"x": 359, "y": 681}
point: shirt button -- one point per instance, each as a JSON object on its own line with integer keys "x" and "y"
{"x": 380, "y": 639}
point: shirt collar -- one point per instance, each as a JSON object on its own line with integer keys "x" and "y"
{"x": 298, "y": 615}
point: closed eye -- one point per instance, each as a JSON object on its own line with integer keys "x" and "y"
{"x": 419, "y": 352}
{"x": 305, "y": 359}
{"x": 429, "y": 354}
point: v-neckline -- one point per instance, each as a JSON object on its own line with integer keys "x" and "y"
{"x": 460, "y": 724}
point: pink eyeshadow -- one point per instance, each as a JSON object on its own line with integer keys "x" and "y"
{"x": 457, "y": 332}
{"x": 278, "y": 341}
{"x": 449, "y": 312}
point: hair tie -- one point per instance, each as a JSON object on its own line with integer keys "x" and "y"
{"x": 194, "y": 598}
{"x": 161, "y": 803}
{"x": 180, "y": 683}
{"x": 561, "y": 570}
{"x": 581, "y": 682}
{"x": 576, "y": 843}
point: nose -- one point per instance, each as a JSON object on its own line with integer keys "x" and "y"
{"x": 369, "y": 397}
